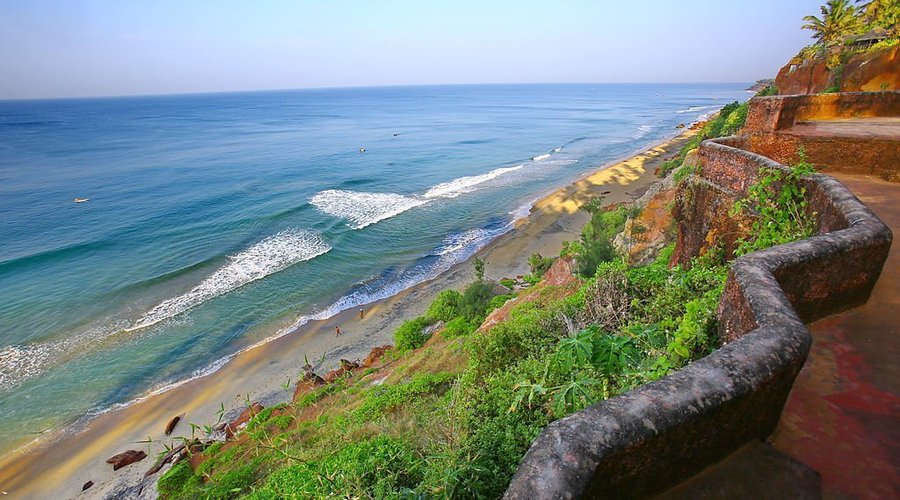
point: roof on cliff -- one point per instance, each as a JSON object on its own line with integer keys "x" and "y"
{"x": 875, "y": 35}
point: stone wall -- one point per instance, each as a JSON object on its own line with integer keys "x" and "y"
{"x": 771, "y": 131}
{"x": 774, "y": 113}
{"x": 661, "y": 433}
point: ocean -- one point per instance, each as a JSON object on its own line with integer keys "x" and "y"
{"x": 215, "y": 222}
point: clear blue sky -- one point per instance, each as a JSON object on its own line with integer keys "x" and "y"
{"x": 53, "y": 48}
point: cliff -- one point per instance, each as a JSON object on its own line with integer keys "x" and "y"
{"x": 871, "y": 71}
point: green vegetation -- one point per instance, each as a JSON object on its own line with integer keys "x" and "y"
{"x": 411, "y": 334}
{"x": 595, "y": 246}
{"x": 451, "y": 415}
{"x": 778, "y": 203}
{"x": 837, "y": 30}
{"x": 727, "y": 122}
{"x": 539, "y": 265}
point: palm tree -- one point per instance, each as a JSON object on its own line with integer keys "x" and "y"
{"x": 839, "y": 19}
{"x": 881, "y": 13}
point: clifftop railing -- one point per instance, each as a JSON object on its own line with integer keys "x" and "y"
{"x": 652, "y": 437}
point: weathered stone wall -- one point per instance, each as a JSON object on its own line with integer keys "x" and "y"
{"x": 773, "y": 113}
{"x": 656, "y": 435}
{"x": 770, "y": 131}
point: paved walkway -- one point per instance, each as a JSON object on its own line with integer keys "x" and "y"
{"x": 843, "y": 415}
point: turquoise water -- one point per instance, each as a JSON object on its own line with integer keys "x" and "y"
{"x": 217, "y": 221}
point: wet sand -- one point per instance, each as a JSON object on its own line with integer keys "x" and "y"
{"x": 59, "y": 468}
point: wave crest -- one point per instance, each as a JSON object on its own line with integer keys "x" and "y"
{"x": 270, "y": 255}
{"x": 467, "y": 184}
{"x": 361, "y": 208}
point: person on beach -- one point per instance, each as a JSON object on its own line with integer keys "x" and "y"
{"x": 362, "y": 313}
{"x": 337, "y": 331}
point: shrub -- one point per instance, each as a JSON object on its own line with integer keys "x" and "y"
{"x": 474, "y": 301}
{"x": 778, "y": 202}
{"x": 411, "y": 334}
{"x": 498, "y": 300}
{"x": 597, "y": 235}
{"x": 458, "y": 327}
{"x": 445, "y": 306}
{"x": 769, "y": 90}
{"x": 539, "y": 265}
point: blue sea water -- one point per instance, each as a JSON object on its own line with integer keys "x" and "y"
{"x": 217, "y": 221}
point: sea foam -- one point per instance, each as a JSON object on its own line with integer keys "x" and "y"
{"x": 362, "y": 209}
{"x": 268, "y": 256}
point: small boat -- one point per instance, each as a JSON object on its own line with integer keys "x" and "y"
{"x": 362, "y": 150}
{"x": 82, "y": 200}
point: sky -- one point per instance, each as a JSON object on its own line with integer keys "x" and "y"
{"x": 72, "y": 48}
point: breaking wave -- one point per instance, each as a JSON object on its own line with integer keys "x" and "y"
{"x": 464, "y": 185}
{"x": 272, "y": 254}
{"x": 362, "y": 209}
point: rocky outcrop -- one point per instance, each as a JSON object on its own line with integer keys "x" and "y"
{"x": 561, "y": 275}
{"x": 375, "y": 355}
{"x": 871, "y": 71}
{"x": 652, "y": 228}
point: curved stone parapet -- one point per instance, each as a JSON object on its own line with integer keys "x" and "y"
{"x": 652, "y": 437}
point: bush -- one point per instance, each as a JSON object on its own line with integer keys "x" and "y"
{"x": 474, "y": 301}
{"x": 411, "y": 334}
{"x": 770, "y": 90}
{"x": 539, "y": 265}
{"x": 498, "y": 300}
{"x": 597, "y": 235}
{"x": 778, "y": 202}
{"x": 458, "y": 327}
{"x": 445, "y": 306}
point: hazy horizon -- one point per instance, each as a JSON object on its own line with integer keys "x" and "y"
{"x": 86, "y": 48}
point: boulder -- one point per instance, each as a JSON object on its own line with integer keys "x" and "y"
{"x": 126, "y": 458}
{"x": 87, "y": 485}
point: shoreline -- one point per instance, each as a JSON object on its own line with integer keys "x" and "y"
{"x": 58, "y": 466}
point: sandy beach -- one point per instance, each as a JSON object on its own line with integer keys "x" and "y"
{"x": 57, "y": 468}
